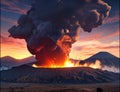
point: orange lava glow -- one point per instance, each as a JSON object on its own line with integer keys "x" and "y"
{"x": 69, "y": 64}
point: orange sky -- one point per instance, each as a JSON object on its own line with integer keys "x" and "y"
{"x": 80, "y": 50}
{"x": 17, "y": 52}
{"x": 14, "y": 48}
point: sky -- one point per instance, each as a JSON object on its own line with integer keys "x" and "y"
{"x": 102, "y": 38}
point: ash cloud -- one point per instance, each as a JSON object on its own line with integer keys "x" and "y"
{"x": 51, "y": 26}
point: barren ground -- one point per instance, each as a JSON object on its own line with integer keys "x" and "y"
{"x": 30, "y": 87}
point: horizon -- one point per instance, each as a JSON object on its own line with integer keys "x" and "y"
{"x": 70, "y": 58}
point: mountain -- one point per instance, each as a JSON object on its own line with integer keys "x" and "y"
{"x": 105, "y": 58}
{"x": 10, "y": 62}
{"x": 77, "y": 75}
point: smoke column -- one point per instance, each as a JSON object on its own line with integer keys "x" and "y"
{"x": 50, "y": 27}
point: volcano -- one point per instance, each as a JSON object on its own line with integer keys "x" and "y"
{"x": 74, "y": 75}
{"x": 105, "y": 58}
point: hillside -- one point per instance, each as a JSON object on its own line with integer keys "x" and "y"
{"x": 57, "y": 75}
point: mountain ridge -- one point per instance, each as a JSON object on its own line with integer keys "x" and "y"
{"x": 11, "y": 62}
{"x": 105, "y": 58}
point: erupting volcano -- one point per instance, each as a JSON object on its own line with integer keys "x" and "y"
{"x": 50, "y": 28}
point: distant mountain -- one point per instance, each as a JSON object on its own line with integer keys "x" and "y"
{"x": 9, "y": 62}
{"x": 27, "y": 74}
{"x": 105, "y": 58}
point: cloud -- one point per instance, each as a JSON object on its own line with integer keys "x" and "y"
{"x": 100, "y": 36}
{"x": 85, "y": 49}
{"x": 116, "y": 33}
{"x": 8, "y": 20}
{"x": 109, "y": 47}
{"x": 95, "y": 36}
{"x": 10, "y": 41}
{"x": 112, "y": 19}
{"x": 93, "y": 44}
{"x": 14, "y": 6}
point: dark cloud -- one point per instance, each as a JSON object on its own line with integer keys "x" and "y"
{"x": 51, "y": 26}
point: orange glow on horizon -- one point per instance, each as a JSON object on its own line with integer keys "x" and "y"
{"x": 15, "y": 54}
{"x": 16, "y": 50}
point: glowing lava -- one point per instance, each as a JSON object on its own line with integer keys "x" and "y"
{"x": 68, "y": 64}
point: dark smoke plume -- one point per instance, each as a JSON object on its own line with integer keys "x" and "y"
{"x": 51, "y": 26}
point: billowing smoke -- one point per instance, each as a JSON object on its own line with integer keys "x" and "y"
{"x": 50, "y": 27}
{"x": 99, "y": 65}
{"x": 111, "y": 69}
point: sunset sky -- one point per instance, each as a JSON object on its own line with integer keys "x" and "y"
{"x": 102, "y": 38}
